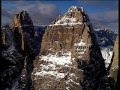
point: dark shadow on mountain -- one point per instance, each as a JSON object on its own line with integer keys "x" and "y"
{"x": 11, "y": 61}
{"x": 39, "y": 32}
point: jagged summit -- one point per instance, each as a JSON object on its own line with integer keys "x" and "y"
{"x": 69, "y": 55}
{"x": 22, "y": 19}
{"x": 75, "y": 8}
{"x": 74, "y": 16}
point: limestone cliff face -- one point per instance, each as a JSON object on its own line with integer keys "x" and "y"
{"x": 114, "y": 66}
{"x": 17, "y": 53}
{"x": 70, "y": 58}
{"x": 114, "y": 69}
{"x": 70, "y": 32}
{"x": 23, "y": 31}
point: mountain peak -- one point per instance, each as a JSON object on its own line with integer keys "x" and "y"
{"x": 75, "y": 8}
{"x": 74, "y": 16}
{"x": 69, "y": 52}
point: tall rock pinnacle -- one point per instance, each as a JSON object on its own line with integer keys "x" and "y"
{"x": 24, "y": 38}
{"x": 70, "y": 58}
{"x": 23, "y": 29}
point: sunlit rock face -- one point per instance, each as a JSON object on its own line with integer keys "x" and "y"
{"x": 23, "y": 31}
{"x": 114, "y": 69}
{"x": 70, "y": 58}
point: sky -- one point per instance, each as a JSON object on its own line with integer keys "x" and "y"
{"x": 102, "y": 13}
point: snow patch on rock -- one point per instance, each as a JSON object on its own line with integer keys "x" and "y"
{"x": 81, "y": 43}
{"x": 54, "y": 62}
{"x": 65, "y": 59}
{"x": 67, "y": 21}
{"x": 80, "y": 48}
{"x": 107, "y": 55}
{"x": 75, "y": 8}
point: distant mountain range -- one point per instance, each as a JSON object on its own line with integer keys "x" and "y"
{"x": 105, "y": 37}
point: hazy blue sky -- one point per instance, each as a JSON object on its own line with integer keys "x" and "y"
{"x": 102, "y": 13}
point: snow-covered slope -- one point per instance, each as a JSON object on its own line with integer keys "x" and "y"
{"x": 107, "y": 55}
{"x": 105, "y": 39}
{"x": 67, "y": 21}
{"x": 55, "y": 62}
{"x": 55, "y": 69}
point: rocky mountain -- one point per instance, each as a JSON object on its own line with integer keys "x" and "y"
{"x": 70, "y": 57}
{"x": 17, "y": 53}
{"x": 11, "y": 61}
{"x": 24, "y": 33}
{"x": 114, "y": 68}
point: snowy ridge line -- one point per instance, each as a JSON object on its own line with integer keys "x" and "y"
{"x": 69, "y": 24}
{"x": 66, "y": 20}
